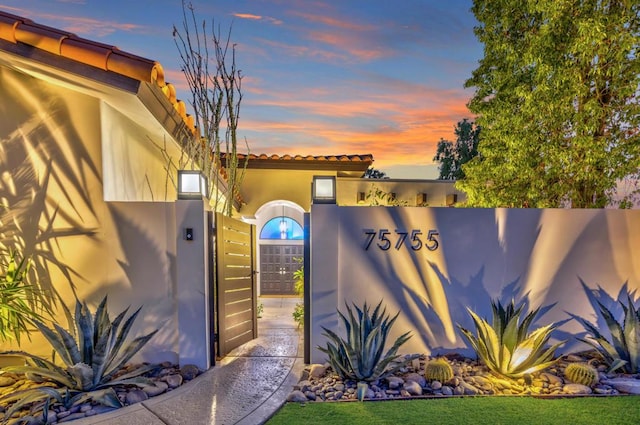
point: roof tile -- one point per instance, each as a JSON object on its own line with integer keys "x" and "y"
{"x": 16, "y": 29}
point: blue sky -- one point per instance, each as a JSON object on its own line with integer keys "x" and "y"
{"x": 320, "y": 77}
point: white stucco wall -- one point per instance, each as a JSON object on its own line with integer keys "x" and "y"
{"x": 483, "y": 254}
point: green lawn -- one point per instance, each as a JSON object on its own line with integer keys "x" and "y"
{"x": 477, "y": 411}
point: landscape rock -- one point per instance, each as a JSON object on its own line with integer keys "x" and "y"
{"x": 317, "y": 370}
{"x": 296, "y": 396}
{"x": 189, "y": 371}
{"x": 173, "y": 381}
{"x": 6, "y": 381}
{"x": 415, "y": 377}
{"x": 625, "y": 385}
{"x": 395, "y": 382}
{"x": 136, "y": 396}
{"x": 413, "y": 388}
{"x": 155, "y": 389}
{"x": 576, "y": 389}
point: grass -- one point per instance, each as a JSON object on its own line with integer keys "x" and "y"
{"x": 455, "y": 411}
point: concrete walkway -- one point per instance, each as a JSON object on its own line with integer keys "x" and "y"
{"x": 244, "y": 388}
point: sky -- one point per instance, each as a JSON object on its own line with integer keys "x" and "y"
{"x": 326, "y": 77}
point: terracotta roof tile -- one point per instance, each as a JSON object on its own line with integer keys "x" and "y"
{"x": 324, "y": 158}
{"x": 16, "y": 29}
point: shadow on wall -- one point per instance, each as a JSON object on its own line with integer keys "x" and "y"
{"x": 148, "y": 261}
{"x": 533, "y": 256}
{"x": 43, "y": 191}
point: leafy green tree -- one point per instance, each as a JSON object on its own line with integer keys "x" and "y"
{"x": 451, "y": 155}
{"x": 557, "y": 97}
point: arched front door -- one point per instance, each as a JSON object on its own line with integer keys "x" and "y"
{"x": 281, "y": 253}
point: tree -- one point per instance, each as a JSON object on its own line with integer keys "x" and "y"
{"x": 372, "y": 173}
{"x": 215, "y": 84}
{"x": 452, "y": 155}
{"x": 557, "y": 97}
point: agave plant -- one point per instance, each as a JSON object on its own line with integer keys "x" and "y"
{"x": 623, "y": 351}
{"x": 361, "y": 356}
{"x": 506, "y": 347}
{"x": 93, "y": 363}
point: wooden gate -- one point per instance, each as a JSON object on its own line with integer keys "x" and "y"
{"x": 236, "y": 288}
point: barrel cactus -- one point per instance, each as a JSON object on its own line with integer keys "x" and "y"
{"x": 582, "y": 373}
{"x": 438, "y": 370}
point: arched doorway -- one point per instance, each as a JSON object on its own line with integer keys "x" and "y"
{"x": 280, "y": 237}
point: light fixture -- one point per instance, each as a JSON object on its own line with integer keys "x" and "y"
{"x": 324, "y": 190}
{"x": 452, "y": 199}
{"x": 422, "y": 199}
{"x": 361, "y": 197}
{"x": 191, "y": 185}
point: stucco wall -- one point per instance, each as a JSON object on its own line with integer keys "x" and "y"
{"x": 482, "y": 254}
{"x": 51, "y": 183}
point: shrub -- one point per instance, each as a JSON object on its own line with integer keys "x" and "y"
{"x": 18, "y": 303}
{"x": 92, "y": 364}
{"x": 298, "y": 287}
{"x": 298, "y": 314}
{"x": 581, "y": 373}
{"x": 506, "y": 347}
{"x": 623, "y": 351}
{"x": 361, "y": 356}
{"x": 438, "y": 370}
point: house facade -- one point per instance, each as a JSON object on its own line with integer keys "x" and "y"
{"x": 90, "y": 146}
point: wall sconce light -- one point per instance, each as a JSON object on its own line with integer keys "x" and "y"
{"x": 422, "y": 199}
{"x": 191, "y": 185}
{"x": 452, "y": 199}
{"x": 324, "y": 190}
{"x": 361, "y": 197}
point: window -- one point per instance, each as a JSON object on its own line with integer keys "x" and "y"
{"x": 282, "y": 228}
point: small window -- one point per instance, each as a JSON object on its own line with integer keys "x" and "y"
{"x": 283, "y": 228}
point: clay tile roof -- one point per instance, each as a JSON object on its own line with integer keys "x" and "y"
{"x": 19, "y": 30}
{"x": 342, "y": 162}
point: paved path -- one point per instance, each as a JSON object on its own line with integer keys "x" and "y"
{"x": 244, "y": 388}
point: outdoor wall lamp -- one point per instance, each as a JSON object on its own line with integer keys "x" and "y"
{"x": 324, "y": 190}
{"x": 191, "y": 185}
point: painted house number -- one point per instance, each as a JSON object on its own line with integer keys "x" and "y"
{"x": 416, "y": 239}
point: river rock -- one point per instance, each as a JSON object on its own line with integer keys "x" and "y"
{"x": 551, "y": 378}
{"x": 136, "y": 396}
{"x": 413, "y": 388}
{"x": 5, "y": 381}
{"x": 576, "y": 389}
{"x": 415, "y": 377}
{"x": 317, "y": 370}
{"x": 157, "y": 388}
{"x": 296, "y": 396}
{"x": 436, "y": 385}
{"x": 395, "y": 382}
{"x": 189, "y": 371}
{"x": 625, "y": 385}
{"x": 173, "y": 381}
{"x": 446, "y": 390}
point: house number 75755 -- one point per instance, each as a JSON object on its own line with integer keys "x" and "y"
{"x": 416, "y": 239}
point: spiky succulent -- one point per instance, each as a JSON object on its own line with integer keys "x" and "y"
{"x": 506, "y": 347}
{"x": 92, "y": 364}
{"x": 361, "y": 356}
{"x": 623, "y": 351}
